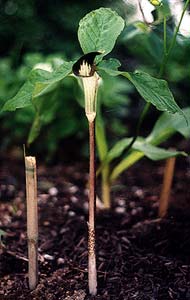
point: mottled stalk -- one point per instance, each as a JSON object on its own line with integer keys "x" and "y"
{"x": 92, "y": 273}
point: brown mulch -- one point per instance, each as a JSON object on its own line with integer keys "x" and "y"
{"x": 139, "y": 256}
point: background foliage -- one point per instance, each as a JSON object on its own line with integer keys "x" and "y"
{"x": 34, "y": 32}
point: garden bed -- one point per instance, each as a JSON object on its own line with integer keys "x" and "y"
{"x": 139, "y": 256}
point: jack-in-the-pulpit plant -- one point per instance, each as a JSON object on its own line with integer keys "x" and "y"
{"x": 97, "y": 34}
{"x": 84, "y": 68}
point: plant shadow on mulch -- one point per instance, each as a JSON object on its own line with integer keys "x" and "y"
{"x": 138, "y": 255}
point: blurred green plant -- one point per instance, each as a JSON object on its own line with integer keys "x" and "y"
{"x": 144, "y": 43}
{"x": 136, "y": 146}
{"x": 28, "y": 29}
{"x": 140, "y": 41}
{"x": 30, "y": 26}
{"x": 15, "y": 127}
{"x": 94, "y": 37}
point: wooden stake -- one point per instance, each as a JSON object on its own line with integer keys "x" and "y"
{"x": 166, "y": 186}
{"x": 32, "y": 220}
{"x": 92, "y": 272}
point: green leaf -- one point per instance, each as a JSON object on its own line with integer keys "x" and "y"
{"x": 154, "y": 90}
{"x": 151, "y": 151}
{"x": 45, "y": 81}
{"x": 118, "y": 149}
{"x": 180, "y": 125}
{"x": 42, "y": 76}
{"x": 140, "y": 149}
{"x": 98, "y": 31}
{"x": 168, "y": 124}
{"x": 22, "y": 99}
{"x": 45, "y": 113}
{"x": 164, "y": 128}
{"x": 155, "y": 153}
{"x": 39, "y": 82}
{"x": 110, "y": 66}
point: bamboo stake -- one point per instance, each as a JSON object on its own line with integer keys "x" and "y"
{"x": 166, "y": 186}
{"x": 32, "y": 220}
{"x": 92, "y": 273}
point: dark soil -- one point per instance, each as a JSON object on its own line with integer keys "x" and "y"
{"x": 139, "y": 256}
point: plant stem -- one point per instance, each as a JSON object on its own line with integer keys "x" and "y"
{"x": 166, "y": 187}
{"x": 140, "y": 121}
{"x": 106, "y": 187}
{"x": 162, "y": 68}
{"x": 165, "y": 36}
{"x": 35, "y": 128}
{"x": 32, "y": 220}
{"x": 92, "y": 272}
{"x": 103, "y": 150}
{"x": 173, "y": 41}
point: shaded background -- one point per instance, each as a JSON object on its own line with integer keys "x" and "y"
{"x": 33, "y": 32}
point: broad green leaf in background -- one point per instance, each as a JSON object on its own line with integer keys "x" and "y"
{"x": 58, "y": 74}
{"x": 98, "y": 31}
{"x": 165, "y": 127}
{"x": 168, "y": 124}
{"x": 110, "y": 66}
{"x": 155, "y": 153}
{"x": 151, "y": 151}
{"x": 45, "y": 113}
{"x": 145, "y": 149}
{"x": 44, "y": 81}
{"x": 154, "y": 90}
{"x": 21, "y": 99}
{"x": 39, "y": 82}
